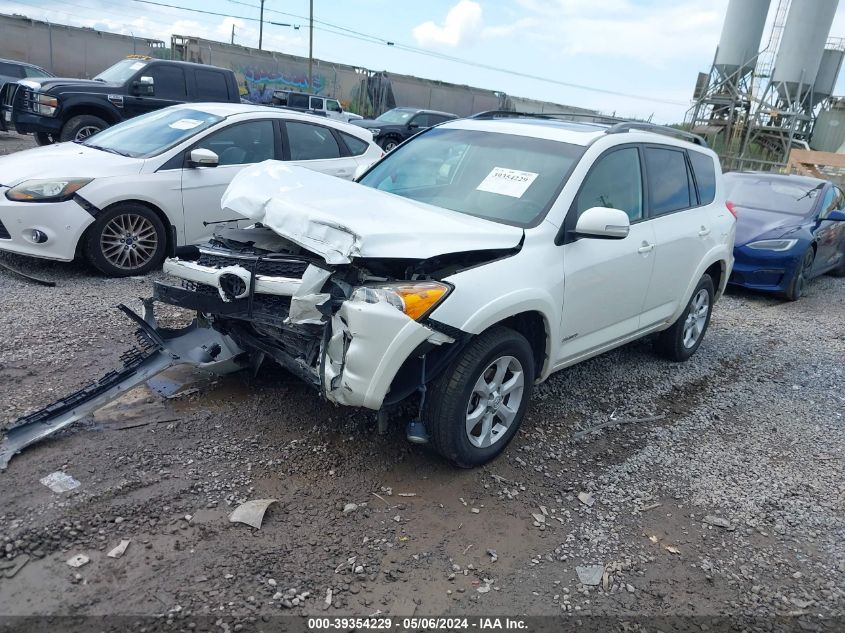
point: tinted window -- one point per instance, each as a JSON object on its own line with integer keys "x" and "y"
{"x": 781, "y": 194}
{"x": 241, "y": 144}
{"x": 668, "y": 180}
{"x": 31, "y": 71}
{"x": 297, "y": 101}
{"x": 421, "y": 120}
{"x": 211, "y": 86}
{"x": 829, "y": 203}
{"x": 434, "y": 119}
{"x": 311, "y": 142}
{"x": 11, "y": 70}
{"x": 615, "y": 182}
{"x": 356, "y": 145}
{"x": 316, "y": 103}
{"x": 332, "y": 105}
{"x": 705, "y": 176}
{"x": 169, "y": 81}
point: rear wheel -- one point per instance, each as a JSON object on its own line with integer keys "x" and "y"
{"x": 128, "y": 239}
{"x": 42, "y": 138}
{"x": 681, "y": 341}
{"x": 801, "y": 277}
{"x": 476, "y": 406}
{"x": 80, "y": 127}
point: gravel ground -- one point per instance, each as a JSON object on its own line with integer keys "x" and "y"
{"x": 717, "y": 492}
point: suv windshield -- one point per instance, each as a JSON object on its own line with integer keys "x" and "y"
{"x": 121, "y": 71}
{"x": 772, "y": 194}
{"x": 501, "y": 177}
{"x": 153, "y": 133}
{"x": 396, "y": 116}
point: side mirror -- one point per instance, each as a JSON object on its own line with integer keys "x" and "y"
{"x": 203, "y": 158}
{"x": 413, "y": 126}
{"x": 144, "y": 87}
{"x": 603, "y": 223}
{"x": 836, "y": 216}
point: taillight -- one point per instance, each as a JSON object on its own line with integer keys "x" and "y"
{"x": 731, "y": 207}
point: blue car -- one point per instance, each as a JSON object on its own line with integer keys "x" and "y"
{"x": 789, "y": 229}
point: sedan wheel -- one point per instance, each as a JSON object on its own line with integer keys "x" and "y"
{"x": 800, "y": 279}
{"x": 128, "y": 239}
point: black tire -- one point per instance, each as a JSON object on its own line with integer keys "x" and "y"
{"x": 81, "y": 127}
{"x": 801, "y": 277}
{"x": 389, "y": 143}
{"x": 839, "y": 271}
{"x": 114, "y": 255}
{"x": 42, "y": 138}
{"x": 453, "y": 393}
{"x": 673, "y": 343}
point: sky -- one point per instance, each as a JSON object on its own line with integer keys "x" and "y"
{"x": 577, "y": 52}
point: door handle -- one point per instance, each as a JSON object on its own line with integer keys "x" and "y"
{"x": 645, "y": 248}
{"x": 703, "y": 232}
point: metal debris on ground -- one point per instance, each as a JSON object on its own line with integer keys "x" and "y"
{"x": 252, "y": 512}
{"x": 60, "y": 482}
{"x": 614, "y": 421}
{"x": 27, "y": 276}
{"x": 590, "y": 575}
{"x": 8, "y": 568}
{"x": 118, "y": 551}
{"x": 78, "y": 560}
{"x": 718, "y": 522}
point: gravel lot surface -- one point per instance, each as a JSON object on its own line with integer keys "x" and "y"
{"x": 717, "y": 491}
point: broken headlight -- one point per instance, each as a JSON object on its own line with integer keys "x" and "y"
{"x": 51, "y": 190}
{"x": 415, "y": 298}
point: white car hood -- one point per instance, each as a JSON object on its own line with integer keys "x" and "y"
{"x": 341, "y": 220}
{"x": 64, "y": 160}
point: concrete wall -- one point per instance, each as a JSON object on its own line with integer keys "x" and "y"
{"x": 67, "y": 51}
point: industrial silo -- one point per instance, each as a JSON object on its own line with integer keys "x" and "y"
{"x": 741, "y": 33}
{"x": 801, "y": 46}
{"x": 828, "y": 74}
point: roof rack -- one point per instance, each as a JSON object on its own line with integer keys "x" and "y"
{"x": 627, "y": 126}
{"x": 617, "y": 125}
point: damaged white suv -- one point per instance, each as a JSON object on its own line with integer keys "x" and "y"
{"x": 474, "y": 260}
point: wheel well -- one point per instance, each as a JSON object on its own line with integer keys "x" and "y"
{"x": 102, "y": 113}
{"x": 532, "y": 325}
{"x": 716, "y": 271}
{"x": 169, "y": 229}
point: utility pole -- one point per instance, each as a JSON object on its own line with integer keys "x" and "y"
{"x": 311, "y": 47}
{"x": 233, "y": 33}
{"x": 261, "y": 26}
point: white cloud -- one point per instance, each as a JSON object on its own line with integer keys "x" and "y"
{"x": 463, "y": 24}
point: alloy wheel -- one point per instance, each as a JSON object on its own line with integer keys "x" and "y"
{"x": 129, "y": 241}
{"x": 696, "y": 318}
{"x": 494, "y": 401}
{"x": 85, "y": 132}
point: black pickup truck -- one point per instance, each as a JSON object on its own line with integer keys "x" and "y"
{"x": 56, "y": 109}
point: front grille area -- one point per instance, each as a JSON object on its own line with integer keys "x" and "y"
{"x": 272, "y": 267}
{"x": 4, "y": 233}
{"x": 8, "y": 93}
{"x": 276, "y": 307}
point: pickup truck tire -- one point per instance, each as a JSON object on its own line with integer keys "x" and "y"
{"x": 476, "y": 406}
{"x": 681, "y": 341}
{"x": 42, "y": 138}
{"x": 127, "y": 239}
{"x": 389, "y": 143}
{"x": 80, "y": 127}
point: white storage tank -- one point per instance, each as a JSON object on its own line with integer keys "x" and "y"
{"x": 801, "y": 46}
{"x": 741, "y": 33}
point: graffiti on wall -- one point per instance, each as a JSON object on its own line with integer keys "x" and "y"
{"x": 258, "y": 85}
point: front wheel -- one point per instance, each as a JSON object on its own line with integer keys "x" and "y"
{"x": 390, "y": 143}
{"x": 801, "y": 278}
{"x": 80, "y": 127}
{"x": 42, "y": 138}
{"x": 476, "y": 406}
{"x": 681, "y": 341}
{"x": 128, "y": 239}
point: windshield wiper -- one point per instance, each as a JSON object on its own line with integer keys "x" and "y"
{"x": 810, "y": 192}
{"x": 98, "y": 79}
{"x": 104, "y": 149}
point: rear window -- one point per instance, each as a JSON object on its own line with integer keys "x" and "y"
{"x": 668, "y": 180}
{"x": 211, "y": 86}
{"x": 297, "y": 101}
{"x": 705, "y": 176}
{"x": 356, "y": 145}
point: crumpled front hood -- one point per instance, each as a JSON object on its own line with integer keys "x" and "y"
{"x": 342, "y": 220}
{"x": 64, "y": 160}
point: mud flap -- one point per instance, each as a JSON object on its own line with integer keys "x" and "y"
{"x": 157, "y": 350}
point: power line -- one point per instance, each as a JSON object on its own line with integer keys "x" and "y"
{"x": 205, "y": 11}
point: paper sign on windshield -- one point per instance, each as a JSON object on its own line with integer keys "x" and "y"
{"x": 507, "y": 182}
{"x": 185, "y": 124}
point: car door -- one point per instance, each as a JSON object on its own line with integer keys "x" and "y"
{"x": 316, "y": 147}
{"x": 169, "y": 85}
{"x": 829, "y": 236}
{"x": 605, "y": 281}
{"x": 683, "y": 226}
{"x": 418, "y": 123}
{"x": 334, "y": 111}
{"x": 237, "y": 145}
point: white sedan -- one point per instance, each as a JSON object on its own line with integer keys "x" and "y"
{"x": 136, "y": 192}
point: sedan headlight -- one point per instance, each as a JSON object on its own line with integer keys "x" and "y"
{"x": 44, "y": 104}
{"x": 50, "y": 190}
{"x": 415, "y": 298}
{"x": 375, "y": 131}
{"x": 772, "y": 245}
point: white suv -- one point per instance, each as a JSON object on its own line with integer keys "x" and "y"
{"x": 467, "y": 265}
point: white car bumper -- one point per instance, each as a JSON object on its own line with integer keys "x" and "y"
{"x": 61, "y": 223}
